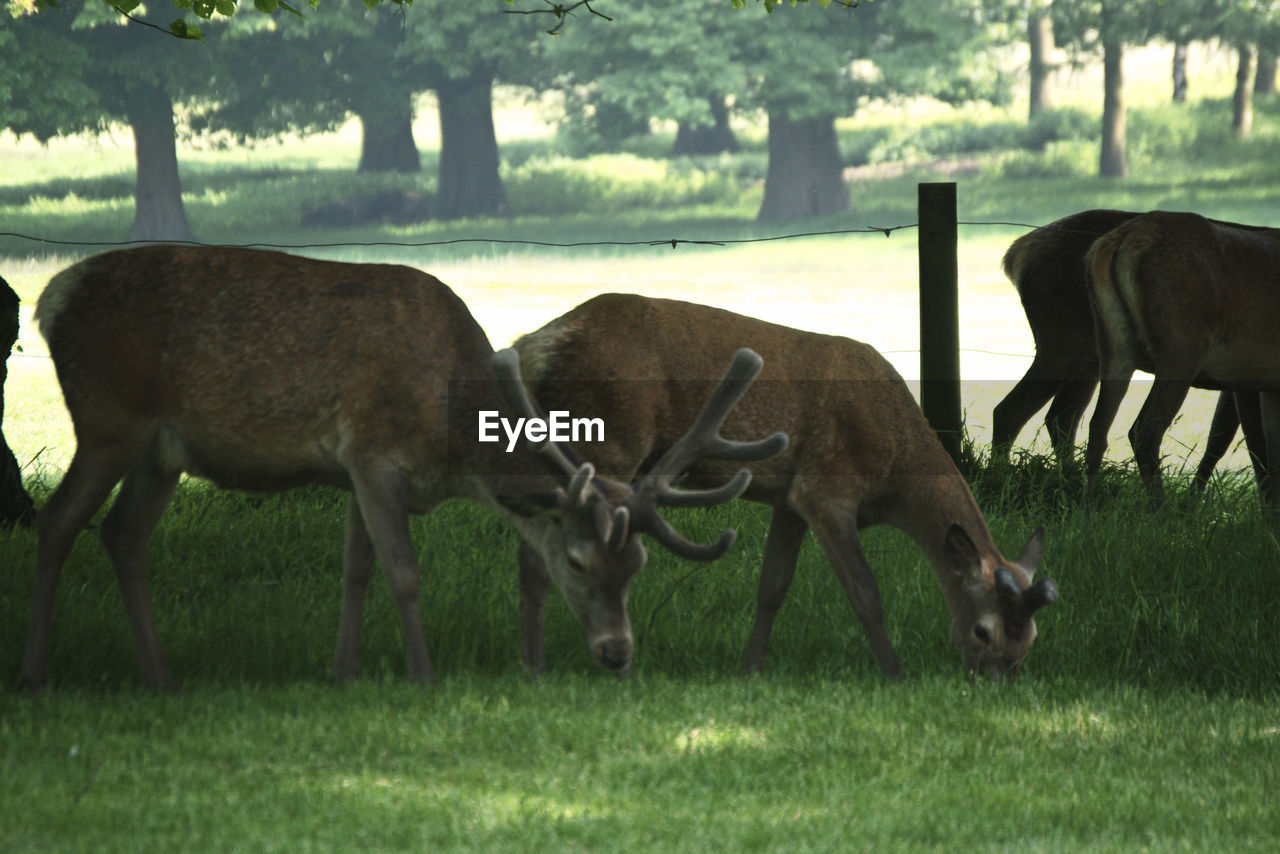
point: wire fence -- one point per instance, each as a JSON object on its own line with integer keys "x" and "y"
{"x": 672, "y": 242}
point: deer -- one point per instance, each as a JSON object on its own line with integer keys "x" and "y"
{"x": 260, "y": 370}
{"x": 1200, "y": 299}
{"x": 861, "y": 454}
{"x": 1047, "y": 266}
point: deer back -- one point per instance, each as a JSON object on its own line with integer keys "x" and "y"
{"x": 845, "y": 408}
{"x": 1173, "y": 284}
{"x": 1047, "y": 267}
{"x": 260, "y": 364}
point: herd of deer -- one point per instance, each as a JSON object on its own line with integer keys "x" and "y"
{"x": 262, "y": 371}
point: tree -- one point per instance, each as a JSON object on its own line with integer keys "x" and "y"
{"x": 807, "y": 67}
{"x": 1265, "y": 81}
{"x": 1040, "y": 41}
{"x": 665, "y": 59}
{"x": 1247, "y": 25}
{"x": 801, "y": 68}
{"x": 184, "y": 27}
{"x": 102, "y": 70}
{"x": 459, "y": 50}
{"x": 1110, "y": 25}
{"x": 94, "y": 67}
{"x": 358, "y": 66}
{"x": 1179, "y": 72}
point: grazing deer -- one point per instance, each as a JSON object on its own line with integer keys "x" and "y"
{"x": 263, "y": 371}
{"x": 1199, "y": 299}
{"x": 861, "y": 454}
{"x": 1047, "y": 266}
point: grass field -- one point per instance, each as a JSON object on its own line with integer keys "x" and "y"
{"x": 1147, "y": 717}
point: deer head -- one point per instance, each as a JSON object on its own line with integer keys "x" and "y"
{"x": 992, "y": 620}
{"x": 593, "y": 548}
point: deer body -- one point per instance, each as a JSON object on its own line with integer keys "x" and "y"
{"x": 860, "y": 454}
{"x": 262, "y": 371}
{"x": 1201, "y": 300}
{"x": 1047, "y": 266}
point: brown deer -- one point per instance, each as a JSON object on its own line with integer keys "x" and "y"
{"x": 1047, "y": 266}
{"x": 263, "y": 371}
{"x": 1199, "y": 299}
{"x": 861, "y": 454}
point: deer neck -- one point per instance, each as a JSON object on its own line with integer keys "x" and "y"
{"x": 933, "y": 504}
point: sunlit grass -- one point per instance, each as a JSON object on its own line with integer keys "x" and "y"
{"x": 490, "y": 763}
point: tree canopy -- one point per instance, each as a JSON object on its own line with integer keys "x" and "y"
{"x": 210, "y": 10}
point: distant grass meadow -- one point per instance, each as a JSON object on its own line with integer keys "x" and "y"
{"x": 1147, "y": 717}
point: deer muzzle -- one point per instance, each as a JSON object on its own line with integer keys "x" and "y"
{"x": 613, "y": 653}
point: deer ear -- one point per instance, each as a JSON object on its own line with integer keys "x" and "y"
{"x": 1031, "y": 553}
{"x": 961, "y": 554}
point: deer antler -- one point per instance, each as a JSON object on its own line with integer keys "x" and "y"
{"x": 610, "y": 523}
{"x": 1043, "y": 592}
{"x": 506, "y": 364}
{"x": 638, "y": 512}
{"x": 702, "y": 441}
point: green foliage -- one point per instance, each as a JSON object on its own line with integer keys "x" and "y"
{"x": 960, "y": 135}
{"x": 611, "y": 183}
{"x": 1067, "y": 159}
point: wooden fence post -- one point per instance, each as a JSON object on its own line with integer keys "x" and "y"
{"x": 940, "y": 313}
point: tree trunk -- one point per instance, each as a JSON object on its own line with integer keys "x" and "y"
{"x": 1242, "y": 99}
{"x": 15, "y": 504}
{"x": 804, "y": 177}
{"x": 1040, "y": 38}
{"x": 386, "y": 142}
{"x": 1264, "y": 82}
{"x": 469, "y": 184}
{"x": 1180, "y": 72}
{"x": 158, "y": 211}
{"x": 707, "y": 139}
{"x": 1111, "y": 162}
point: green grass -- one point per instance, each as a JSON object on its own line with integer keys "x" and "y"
{"x": 1145, "y": 720}
{"x": 795, "y": 763}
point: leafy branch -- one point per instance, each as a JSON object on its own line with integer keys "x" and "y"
{"x": 560, "y": 10}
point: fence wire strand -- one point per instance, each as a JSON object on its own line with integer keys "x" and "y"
{"x": 673, "y": 242}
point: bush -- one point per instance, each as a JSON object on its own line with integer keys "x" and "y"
{"x": 1056, "y": 125}
{"x": 1066, "y": 159}
{"x": 608, "y": 183}
{"x": 961, "y": 136}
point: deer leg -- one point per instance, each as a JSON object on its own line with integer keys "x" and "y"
{"x": 1222, "y": 429}
{"x": 1063, "y": 418}
{"x": 781, "y": 549}
{"x": 1269, "y": 411}
{"x": 1157, "y": 413}
{"x": 357, "y": 569}
{"x": 144, "y": 495}
{"x": 384, "y": 506}
{"x": 1038, "y": 385}
{"x": 1249, "y": 411}
{"x": 88, "y": 481}
{"x": 534, "y": 584}
{"x": 837, "y": 533}
{"x": 1111, "y": 391}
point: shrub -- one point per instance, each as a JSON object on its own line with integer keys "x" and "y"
{"x": 1056, "y": 125}
{"x": 1065, "y": 159}
{"x": 608, "y": 183}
